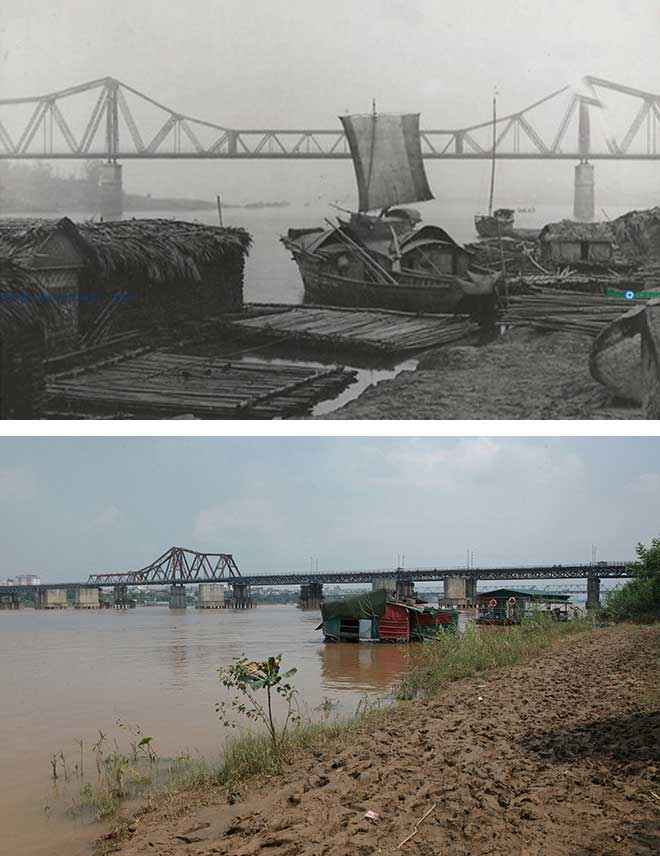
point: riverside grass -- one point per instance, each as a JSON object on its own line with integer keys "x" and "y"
{"x": 451, "y": 658}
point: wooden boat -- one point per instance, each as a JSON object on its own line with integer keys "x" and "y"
{"x": 498, "y": 224}
{"x": 625, "y": 357}
{"x": 388, "y": 259}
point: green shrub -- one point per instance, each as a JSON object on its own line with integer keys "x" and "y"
{"x": 639, "y": 599}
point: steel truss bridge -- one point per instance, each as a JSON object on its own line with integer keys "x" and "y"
{"x": 181, "y": 566}
{"x": 108, "y": 119}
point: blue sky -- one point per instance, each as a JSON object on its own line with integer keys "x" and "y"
{"x": 69, "y": 506}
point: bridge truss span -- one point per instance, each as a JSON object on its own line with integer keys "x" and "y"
{"x": 108, "y": 119}
{"x": 178, "y": 565}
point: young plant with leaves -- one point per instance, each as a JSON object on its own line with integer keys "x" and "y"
{"x": 253, "y": 680}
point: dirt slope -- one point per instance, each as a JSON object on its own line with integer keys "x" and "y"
{"x": 523, "y": 375}
{"x": 558, "y": 757}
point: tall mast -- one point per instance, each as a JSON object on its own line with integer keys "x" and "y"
{"x": 492, "y": 163}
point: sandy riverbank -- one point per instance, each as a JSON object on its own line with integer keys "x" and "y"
{"x": 558, "y": 756}
{"x": 522, "y": 375}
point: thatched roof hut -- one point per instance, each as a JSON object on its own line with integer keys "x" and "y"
{"x": 159, "y": 273}
{"x": 161, "y": 250}
{"x": 568, "y": 241}
{"x": 26, "y": 311}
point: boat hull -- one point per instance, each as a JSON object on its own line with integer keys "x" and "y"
{"x": 493, "y": 227}
{"x": 411, "y": 293}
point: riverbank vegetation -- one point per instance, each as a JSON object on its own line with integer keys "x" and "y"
{"x": 639, "y": 599}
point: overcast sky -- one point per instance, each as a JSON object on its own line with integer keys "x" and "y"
{"x": 69, "y": 507}
{"x": 297, "y": 63}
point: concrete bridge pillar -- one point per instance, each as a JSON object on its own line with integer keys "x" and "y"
{"x": 593, "y": 592}
{"x": 86, "y": 598}
{"x": 584, "y": 202}
{"x": 311, "y": 596}
{"x": 405, "y": 588}
{"x": 460, "y": 591}
{"x": 387, "y": 583}
{"x": 242, "y": 596}
{"x": 49, "y": 598}
{"x": 10, "y": 600}
{"x": 177, "y": 596}
{"x": 111, "y": 192}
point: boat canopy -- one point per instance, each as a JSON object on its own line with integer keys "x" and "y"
{"x": 368, "y": 605}
{"x": 387, "y": 156}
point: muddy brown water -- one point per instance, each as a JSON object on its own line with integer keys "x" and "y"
{"x": 64, "y": 675}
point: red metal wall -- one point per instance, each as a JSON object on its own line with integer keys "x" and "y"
{"x": 394, "y": 624}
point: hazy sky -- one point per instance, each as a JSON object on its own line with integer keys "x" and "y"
{"x": 300, "y": 63}
{"x": 69, "y": 507}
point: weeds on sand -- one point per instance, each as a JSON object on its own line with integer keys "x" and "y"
{"x": 451, "y": 658}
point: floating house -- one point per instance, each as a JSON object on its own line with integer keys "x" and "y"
{"x": 511, "y": 605}
{"x": 54, "y": 252}
{"x": 27, "y": 312}
{"x": 568, "y": 242}
{"x": 159, "y": 273}
{"x": 377, "y": 617}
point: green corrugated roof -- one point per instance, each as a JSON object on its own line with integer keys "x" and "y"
{"x": 524, "y": 592}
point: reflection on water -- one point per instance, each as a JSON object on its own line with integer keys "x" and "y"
{"x": 64, "y": 675}
{"x": 363, "y": 666}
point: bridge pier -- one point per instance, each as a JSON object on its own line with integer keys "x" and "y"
{"x": 10, "y": 600}
{"x": 405, "y": 588}
{"x": 177, "y": 596}
{"x": 120, "y": 598}
{"x": 210, "y": 596}
{"x": 241, "y": 596}
{"x": 86, "y": 598}
{"x": 584, "y": 200}
{"x": 111, "y": 192}
{"x": 311, "y": 596}
{"x": 46, "y": 598}
{"x": 387, "y": 583}
{"x": 593, "y": 592}
{"x": 460, "y": 591}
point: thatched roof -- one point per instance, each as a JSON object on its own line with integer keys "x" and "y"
{"x": 160, "y": 250}
{"x": 568, "y": 230}
{"x": 22, "y": 238}
{"x": 23, "y": 300}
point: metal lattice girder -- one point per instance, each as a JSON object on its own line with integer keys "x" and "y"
{"x": 176, "y": 565}
{"x": 112, "y": 104}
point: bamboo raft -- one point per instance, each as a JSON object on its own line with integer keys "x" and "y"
{"x": 566, "y": 311}
{"x": 158, "y": 384}
{"x": 379, "y": 331}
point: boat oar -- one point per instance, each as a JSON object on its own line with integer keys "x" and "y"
{"x": 365, "y": 255}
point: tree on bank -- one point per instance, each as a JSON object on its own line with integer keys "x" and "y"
{"x": 639, "y": 600}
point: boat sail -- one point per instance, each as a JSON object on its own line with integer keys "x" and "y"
{"x": 382, "y": 256}
{"x": 387, "y": 156}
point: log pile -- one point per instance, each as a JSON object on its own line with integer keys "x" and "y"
{"x": 375, "y": 331}
{"x": 565, "y": 310}
{"x": 158, "y": 384}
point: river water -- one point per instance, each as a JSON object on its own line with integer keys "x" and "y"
{"x": 64, "y": 675}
